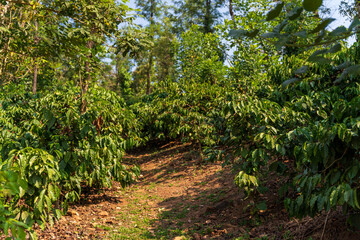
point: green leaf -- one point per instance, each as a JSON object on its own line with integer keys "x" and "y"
{"x": 57, "y": 213}
{"x": 356, "y": 202}
{"x": 347, "y": 195}
{"x": 290, "y": 81}
{"x": 355, "y": 23}
{"x": 275, "y": 12}
{"x": 40, "y": 203}
{"x": 302, "y": 70}
{"x": 353, "y": 172}
{"x": 280, "y": 26}
{"x": 302, "y": 34}
{"x": 22, "y": 192}
{"x": 323, "y": 25}
{"x": 313, "y": 201}
{"x": 338, "y": 31}
{"x": 295, "y": 13}
{"x": 312, "y": 5}
{"x": 253, "y": 33}
{"x": 343, "y": 65}
{"x": 319, "y": 59}
{"x": 333, "y": 197}
{"x": 318, "y": 52}
{"x": 239, "y": 33}
{"x": 334, "y": 49}
{"x": 320, "y": 203}
{"x": 283, "y": 39}
{"x": 335, "y": 177}
{"x": 353, "y": 70}
{"x": 51, "y": 192}
{"x": 270, "y": 35}
{"x": 322, "y": 114}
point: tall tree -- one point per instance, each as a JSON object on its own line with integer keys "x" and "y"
{"x": 165, "y": 51}
{"x": 204, "y": 13}
{"x": 150, "y": 10}
{"x": 76, "y": 29}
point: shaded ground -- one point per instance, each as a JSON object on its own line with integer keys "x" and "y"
{"x": 179, "y": 198}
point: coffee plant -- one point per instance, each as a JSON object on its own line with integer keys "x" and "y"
{"x": 285, "y": 102}
{"x": 57, "y": 151}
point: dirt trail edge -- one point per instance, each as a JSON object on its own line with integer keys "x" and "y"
{"x": 178, "y": 198}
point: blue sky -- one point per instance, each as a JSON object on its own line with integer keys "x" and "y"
{"x": 332, "y": 4}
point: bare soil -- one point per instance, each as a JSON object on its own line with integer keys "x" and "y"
{"x": 179, "y": 196}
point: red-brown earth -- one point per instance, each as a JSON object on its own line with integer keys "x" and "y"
{"x": 178, "y": 196}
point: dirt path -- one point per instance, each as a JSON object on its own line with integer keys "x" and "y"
{"x": 178, "y": 198}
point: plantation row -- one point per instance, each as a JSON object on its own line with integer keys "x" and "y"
{"x": 50, "y": 151}
{"x": 286, "y": 103}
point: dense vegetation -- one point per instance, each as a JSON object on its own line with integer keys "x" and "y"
{"x": 81, "y": 84}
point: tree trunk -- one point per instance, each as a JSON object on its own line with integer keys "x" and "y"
{"x": 208, "y": 20}
{"x": 149, "y": 74}
{"x": 152, "y": 24}
{"x": 231, "y": 11}
{"x": 87, "y": 79}
{"x": 34, "y": 87}
{"x": 357, "y": 44}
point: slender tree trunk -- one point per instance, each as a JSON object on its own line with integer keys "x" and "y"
{"x": 149, "y": 74}
{"x": 4, "y": 51}
{"x": 87, "y": 79}
{"x": 231, "y": 11}
{"x": 34, "y": 87}
{"x": 357, "y": 45}
{"x": 152, "y": 24}
{"x": 208, "y": 20}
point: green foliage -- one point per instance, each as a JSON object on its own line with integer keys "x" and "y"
{"x": 12, "y": 185}
{"x": 314, "y": 124}
{"x": 58, "y": 151}
{"x": 194, "y": 116}
{"x": 312, "y": 5}
{"x": 287, "y": 102}
{"x": 201, "y": 58}
{"x": 204, "y": 13}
